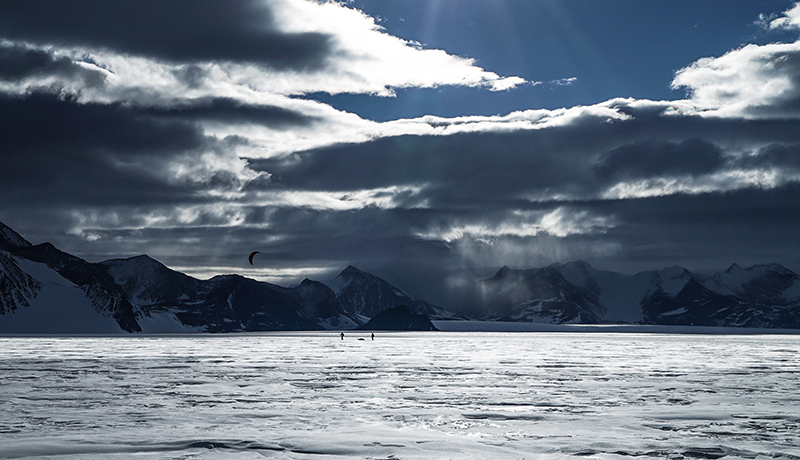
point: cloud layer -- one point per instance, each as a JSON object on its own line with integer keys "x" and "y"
{"x": 184, "y": 135}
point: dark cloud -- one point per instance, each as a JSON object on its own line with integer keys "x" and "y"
{"x": 654, "y": 158}
{"x": 19, "y": 62}
{"x": 467, "y": 168}
{"x": 204, "y": 30}
{"x": 775, "y": 156}
{"x": 40, "y": 122}
{"x": 231, "y": 111}
{"x": 484, "y": 170}
{"x": 705, "y": 231}
{"x": 56, "y": 150}
{"x": 489, "y": 180}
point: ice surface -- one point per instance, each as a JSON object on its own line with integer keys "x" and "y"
{"x": 432, "y": 395}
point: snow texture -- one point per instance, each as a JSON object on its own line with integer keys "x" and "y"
{"x": 434, "y": 395}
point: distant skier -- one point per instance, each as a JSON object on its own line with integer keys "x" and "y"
{"x": 373, "y": 336}
{"x": 342, "y": 335}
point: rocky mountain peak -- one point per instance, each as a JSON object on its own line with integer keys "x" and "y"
{"x": 12, "y": 238}
{"x": 733, "y": 268}
{"x": 352, "y": 272}
{"x": 502, "y": 273}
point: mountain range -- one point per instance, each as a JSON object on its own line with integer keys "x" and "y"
{"x": 46, "y": 290}
{"x": 759, "y": 296}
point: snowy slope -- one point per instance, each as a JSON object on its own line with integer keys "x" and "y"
{"x": 54, "y": 288}
{"x": 58, "y": 307}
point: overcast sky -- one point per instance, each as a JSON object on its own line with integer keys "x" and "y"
{"x": 417, "y": 139}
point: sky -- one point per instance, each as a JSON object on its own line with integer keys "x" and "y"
{"x": 427, "y": 142}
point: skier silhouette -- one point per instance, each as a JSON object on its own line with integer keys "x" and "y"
{"x": 373, "y": 336}
{"x": 342, "y": 335}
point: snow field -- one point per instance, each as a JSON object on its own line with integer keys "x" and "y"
{"x": 459, "y": 395}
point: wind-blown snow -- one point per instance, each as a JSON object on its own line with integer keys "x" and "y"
{"x": 402, "y": 396}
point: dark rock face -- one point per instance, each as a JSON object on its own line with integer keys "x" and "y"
{"x": 17, "y": 288}
{"x": 315, "y": 300}
{"x": 399, "y": 318}
{"x": 235, "y": 304}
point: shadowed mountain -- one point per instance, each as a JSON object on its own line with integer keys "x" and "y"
{"x": 538, "y": 295}
{"x": 226, "y": 303}
{"x": 363, "y": 294}
{"x": 45, "y": 290}
{"x": 147, "y": 281}
{"x": 318, "y": 302}
{"x": 759, "y": 296}
{"x": 235, "y": 304}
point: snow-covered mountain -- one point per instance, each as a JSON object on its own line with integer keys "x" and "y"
{"x": 759, "y": 296}
{"x": 318, "y": 301}
{"x": 44, "y": 290}
{"x": 538, "y": 296}
{"x": 365, "y": 295}
{"x": 147, "y": 281}
{"x": 170, "y": 301}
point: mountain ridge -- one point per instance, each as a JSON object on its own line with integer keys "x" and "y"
{"x": 140, "y": 294}
{"x": 764, "y": 295}
{"x": 140, "y": 290}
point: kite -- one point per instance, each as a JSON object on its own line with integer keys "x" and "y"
{"x": 253, "y": 254}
